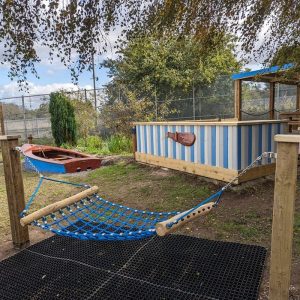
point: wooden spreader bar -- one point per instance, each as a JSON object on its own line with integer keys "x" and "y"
{"x": 162, "y": 228}
{"x": 57, "y": 206}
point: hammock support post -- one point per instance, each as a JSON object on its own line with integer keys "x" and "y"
{"x": 57, "y": 206}
{"x": 14, "y": 188}
{"x": 283, "y": 215}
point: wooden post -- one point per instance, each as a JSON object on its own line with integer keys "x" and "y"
{"x": 283, "y": 215}
{"x": 238, "y": 99}
{"x": 30, "y": 138}
{"x": 134, "y": 142}
{"x": 2, "y": 127}
{"x": 298, "y": 98}
{"x": 272, "y": 101}
{"x": 14, "y": 189}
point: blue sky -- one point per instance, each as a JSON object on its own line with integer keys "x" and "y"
{"x": 51, "y": 74}
{"x": 52, "y": 77}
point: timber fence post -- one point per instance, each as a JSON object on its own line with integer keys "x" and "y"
{"x": 283, "y": 215}
{"x": 14, "y": 189}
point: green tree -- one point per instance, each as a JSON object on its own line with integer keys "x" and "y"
{"x": 168, "y": 69}
{"x": 74, "y": 31}
{"x": 85, "y": 116}
{"x": 119, "y": 115}
{"x": 63, "y": 123}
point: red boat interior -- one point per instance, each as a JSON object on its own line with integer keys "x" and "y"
{"x": 56, "y": 155}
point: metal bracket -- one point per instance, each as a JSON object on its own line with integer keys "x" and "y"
{"x": 269, "y": 155}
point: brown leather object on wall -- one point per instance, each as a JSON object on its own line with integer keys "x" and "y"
{"x": 184, "y": 138}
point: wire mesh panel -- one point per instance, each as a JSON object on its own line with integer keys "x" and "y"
{"x": 255, "y": 101}
{"x": 285, "y": 98}
{"x": 29, "y": 115}
{"x": 173, "y": 267}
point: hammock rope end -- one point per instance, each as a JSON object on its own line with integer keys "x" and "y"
{"x": 164, "y": 228}
{"x": 57, "y": 206}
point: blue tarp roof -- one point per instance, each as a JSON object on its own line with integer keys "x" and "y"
{"x": 270, "y": 70}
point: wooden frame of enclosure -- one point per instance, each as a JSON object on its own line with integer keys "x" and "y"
{"x": 221, "y": 150}
{"x": 273, "y": 76}
{"x": 283, "y": 210}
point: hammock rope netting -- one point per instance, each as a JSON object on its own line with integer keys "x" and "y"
{"x": 94, "y": 218}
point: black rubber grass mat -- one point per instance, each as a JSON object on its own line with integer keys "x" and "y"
{"x": 173, "y": 267}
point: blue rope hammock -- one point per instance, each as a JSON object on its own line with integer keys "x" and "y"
{"x": 94, "y": 218}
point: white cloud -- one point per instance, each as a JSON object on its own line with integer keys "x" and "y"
{"x": 12, "y": 89}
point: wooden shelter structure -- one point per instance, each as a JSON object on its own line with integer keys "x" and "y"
{"x": 273, "y": 76}
{"x": 222, "y": 148}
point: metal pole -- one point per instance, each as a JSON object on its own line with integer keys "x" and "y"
{"x": 37, "y": 127}
{"x": 194, "y": 104}
{"x": 156, "y": 104}
{"x": 94, "y": 84}
{"x": 24, "y": 117}
{"x": 85, "y": 95}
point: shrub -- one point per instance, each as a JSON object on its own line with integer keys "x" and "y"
{"x": 85, "y": 116}
{"x": 63, "y": 122}
{"x": 92, "y": 143}
{"x": 119, "y": 144}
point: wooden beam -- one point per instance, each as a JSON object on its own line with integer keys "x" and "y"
{"x": 257, "y": 172}
{"x": 298, "y": 98}
{"x": 238, "y": 99}
{"x": 53, "y": 207}
{"x": 2, "y": 127}
{"x": 189, "y": 167}
{"x": 272, "y": 101}
{"x": 283, "y": 218}
{"x": 162, "y": 228}
{"x": 14, "y": 189}
{"x": 134, "y": 140}
{"x": 287, "y": 138}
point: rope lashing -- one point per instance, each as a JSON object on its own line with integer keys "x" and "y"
{"x": 87, "y": 216}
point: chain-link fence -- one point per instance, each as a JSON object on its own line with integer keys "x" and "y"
{"x": 29, "y": 115}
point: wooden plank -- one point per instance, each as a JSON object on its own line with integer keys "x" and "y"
{"x": 14, "y": 190}
{"x": 2, "y": 127}
{"x": 292, "y": 114}
{"x": 9, "y": 137}
{"x": 257, "y": 172}
{"x": 238, "y": 99}
{"x": 283, "y": 220}
{"x": 287, "y": 138}
{"x": 225, "y": 122}
{"x": 189, "y": 167}
{"x": 51, "y": 208}
{"x": 272, "y": 101}
{"x": 134, "y": 141}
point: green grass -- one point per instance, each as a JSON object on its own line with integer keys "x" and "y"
{"x": 116, "y": 144}
{"x": 247, "y": 226}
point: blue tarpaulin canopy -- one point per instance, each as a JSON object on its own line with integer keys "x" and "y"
{"x": 271, "y": 74}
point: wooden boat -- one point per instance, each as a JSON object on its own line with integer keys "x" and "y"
{"x": 58, "y": 160}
